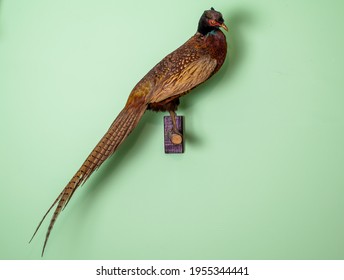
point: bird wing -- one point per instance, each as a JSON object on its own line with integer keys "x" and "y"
{"x": 192, "y": 75}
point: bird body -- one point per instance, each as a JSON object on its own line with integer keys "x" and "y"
{"x": 159, "y": 90}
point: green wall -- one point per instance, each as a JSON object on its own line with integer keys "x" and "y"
{"x": 262, "y": 174}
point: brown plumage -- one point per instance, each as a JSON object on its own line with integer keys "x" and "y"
{"x": 178, "y": 73}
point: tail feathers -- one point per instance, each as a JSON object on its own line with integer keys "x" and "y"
{"x": 39, "y": 225}
{"x": 123, "y": 125}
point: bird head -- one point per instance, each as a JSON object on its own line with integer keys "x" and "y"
{"x": 211, "y": 20}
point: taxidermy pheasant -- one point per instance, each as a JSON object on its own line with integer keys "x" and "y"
{"x": 179, "y": 72}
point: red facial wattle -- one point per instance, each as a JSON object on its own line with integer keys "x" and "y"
{"x": 213, "y": 22}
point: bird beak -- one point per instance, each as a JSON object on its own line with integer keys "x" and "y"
{"x": 224, "y": 26}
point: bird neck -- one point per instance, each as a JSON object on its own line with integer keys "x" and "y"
{"x": 204, "y": 28}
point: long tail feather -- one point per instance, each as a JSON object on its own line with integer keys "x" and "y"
{"x": 123, "y": 125}
{"x": 39, "y": 225}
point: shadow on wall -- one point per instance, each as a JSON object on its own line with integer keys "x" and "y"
{"x": 238, "y": 19}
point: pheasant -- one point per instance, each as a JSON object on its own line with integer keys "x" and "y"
{"x": 159, "y": 90}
